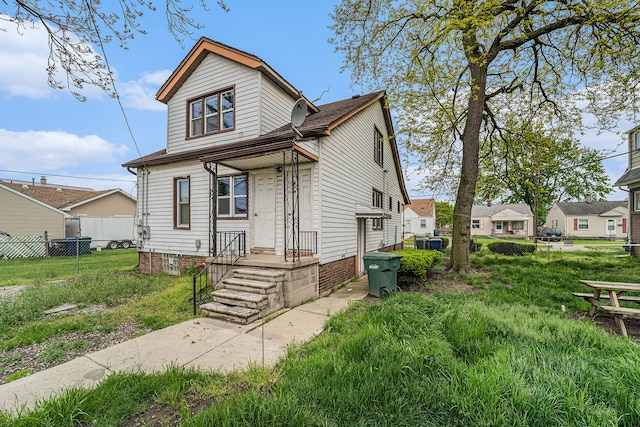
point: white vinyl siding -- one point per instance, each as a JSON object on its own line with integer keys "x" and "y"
{"x": 348, "y": 173}
{"x": 276, "y": 106}
{"x": 166, "y": 239}
{"x": 213, "y": 74}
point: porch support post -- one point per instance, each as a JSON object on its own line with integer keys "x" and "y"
{"x": 290, "y": 176}
{"x": 213, "y": 207}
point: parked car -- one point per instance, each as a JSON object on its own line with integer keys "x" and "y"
{"x": 550, "y": 233}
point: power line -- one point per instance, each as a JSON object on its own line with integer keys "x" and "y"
{"x": 68, "y": 176}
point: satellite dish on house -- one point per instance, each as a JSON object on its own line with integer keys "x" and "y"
{"x": 299, "y": 113}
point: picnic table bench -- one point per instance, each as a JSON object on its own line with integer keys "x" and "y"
{"x": 610, "y": 302}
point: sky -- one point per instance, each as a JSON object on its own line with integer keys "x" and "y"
{"x": 48, "y": 132}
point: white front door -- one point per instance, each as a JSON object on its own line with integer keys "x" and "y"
{"x": 611, "y": 227}
{"x": 264, "y": 212}
{"x": 362, "y": 244}
{"x": 498, "y": 229}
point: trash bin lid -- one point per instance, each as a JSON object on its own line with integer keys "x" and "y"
{"x": 381, "y": 255}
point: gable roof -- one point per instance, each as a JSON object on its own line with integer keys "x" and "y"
{"x": 316, "y": 125}
{"x": 203, "y": 47}
{"x": 484, "y": 210}
{"x": 62, "y": 198}
{"x": 592, "y": 208}
{"x": 423, "y": 207}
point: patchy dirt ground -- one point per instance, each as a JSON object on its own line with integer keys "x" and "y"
{"x": 55, "y": 351}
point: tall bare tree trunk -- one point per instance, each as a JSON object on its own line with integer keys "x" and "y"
{"x": 460, "y": 245}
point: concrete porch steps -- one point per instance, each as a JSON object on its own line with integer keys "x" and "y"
{"x": 236, "y": 314}
{"x": 240, "y": 298}
{"x": 248, "y": 295}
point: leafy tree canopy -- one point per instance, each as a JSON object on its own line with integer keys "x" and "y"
{"x": 527, "y": 162}
{"x": 444, "y": 214}
{"x": 452, "y": 66}
{"x": 75, "y": 28}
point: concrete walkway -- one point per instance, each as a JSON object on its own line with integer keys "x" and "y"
{"x": 204, "y": 343}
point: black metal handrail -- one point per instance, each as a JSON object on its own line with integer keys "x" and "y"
{"x": 234, "y": 248}
{"x": 308, "y": 243}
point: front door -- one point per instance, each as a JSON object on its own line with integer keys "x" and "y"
{"x": 264, "y": 213}
{"x": 611, "y": 227}
{"x": 362, "y": 244}
{"x": 498, "y": 229}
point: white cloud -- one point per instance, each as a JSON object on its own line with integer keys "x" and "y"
{"x": 24, "y": 55}
{"x": 23, "y": 61}
{"x": 53, "y": 150}
{"x": 140, "y": 94}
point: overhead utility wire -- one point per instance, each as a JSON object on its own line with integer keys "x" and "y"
{"x": 113, "y": 82}
{"x": 67, "y": 176}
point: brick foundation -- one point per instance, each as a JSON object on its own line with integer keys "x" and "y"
{"x": 151, "y": 263}
{"x": 336, "y": 273}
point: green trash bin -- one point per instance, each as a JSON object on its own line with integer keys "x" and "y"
{"x": 85, "y": 245}
{"x": 382, "y": 269}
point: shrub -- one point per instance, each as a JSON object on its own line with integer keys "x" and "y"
{"x": 416, "y": 263}
{"x": 510, "y": 248}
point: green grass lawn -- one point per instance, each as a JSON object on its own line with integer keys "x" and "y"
{"x": 506, "y": 355}
{"x": 35, "y": 270}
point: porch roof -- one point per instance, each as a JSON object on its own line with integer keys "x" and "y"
{"x": 241, "y": 157}
{"x": 363, "y": 211}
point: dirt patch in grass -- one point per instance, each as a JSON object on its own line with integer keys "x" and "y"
{"x": 607, "y": 323}
{"x": 29, "y": 359}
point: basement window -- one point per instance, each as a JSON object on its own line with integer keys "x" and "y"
{"x": 170, "y": 264}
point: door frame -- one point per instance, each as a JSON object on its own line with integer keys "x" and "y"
{"x": 254, "y": 228}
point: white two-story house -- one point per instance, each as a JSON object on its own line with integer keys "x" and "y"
{"x": 630, "y": 181}
{"x": 318, "y": 196}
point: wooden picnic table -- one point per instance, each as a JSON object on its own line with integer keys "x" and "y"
{"x": 610, "y": 302}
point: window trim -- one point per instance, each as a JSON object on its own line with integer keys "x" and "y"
{"x": 636, "y": 140}
{"x": 477, "y": 222}
{"x": 377, "y": 201}
{"x": 583, "y": 221}
{"x": 232, "y": 198}
{"x": 203, "y": 117}
{"x": 176, "y": 202}
{"x": 636, "y": 201}
{"x": 378, "y": 147}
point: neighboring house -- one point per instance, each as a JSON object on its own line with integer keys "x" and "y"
{"x": 631, "y": 180}
{"x": 233, "y": 165}
{"x": 502, "y": 220}
{"x": 420, "y": 217}
{"x": 31, "y": 208}
{"x": 590, "y": 219}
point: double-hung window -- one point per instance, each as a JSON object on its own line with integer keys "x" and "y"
{"x": 378, "y": 154}
{"x": 212, "y": 113}
{"x": 182, "y": 205}
{"x": 583, "y": 224}
{"x": 636, "y": 201}
{"x": 476, "y": 224}
{"x": 232, "y": 196}
{"x": 636, "y": 140}
{"x": 377, "y": 203}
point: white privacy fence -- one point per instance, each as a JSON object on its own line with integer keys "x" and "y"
{"x": 22, "y": 247}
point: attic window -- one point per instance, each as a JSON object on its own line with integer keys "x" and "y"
{"x": 212, "y": 113}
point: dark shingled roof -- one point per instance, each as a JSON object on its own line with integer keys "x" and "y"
{"x": 593, "y": 208}
{"x": 315, "y": 125}
{"x": 629, "y": 177}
